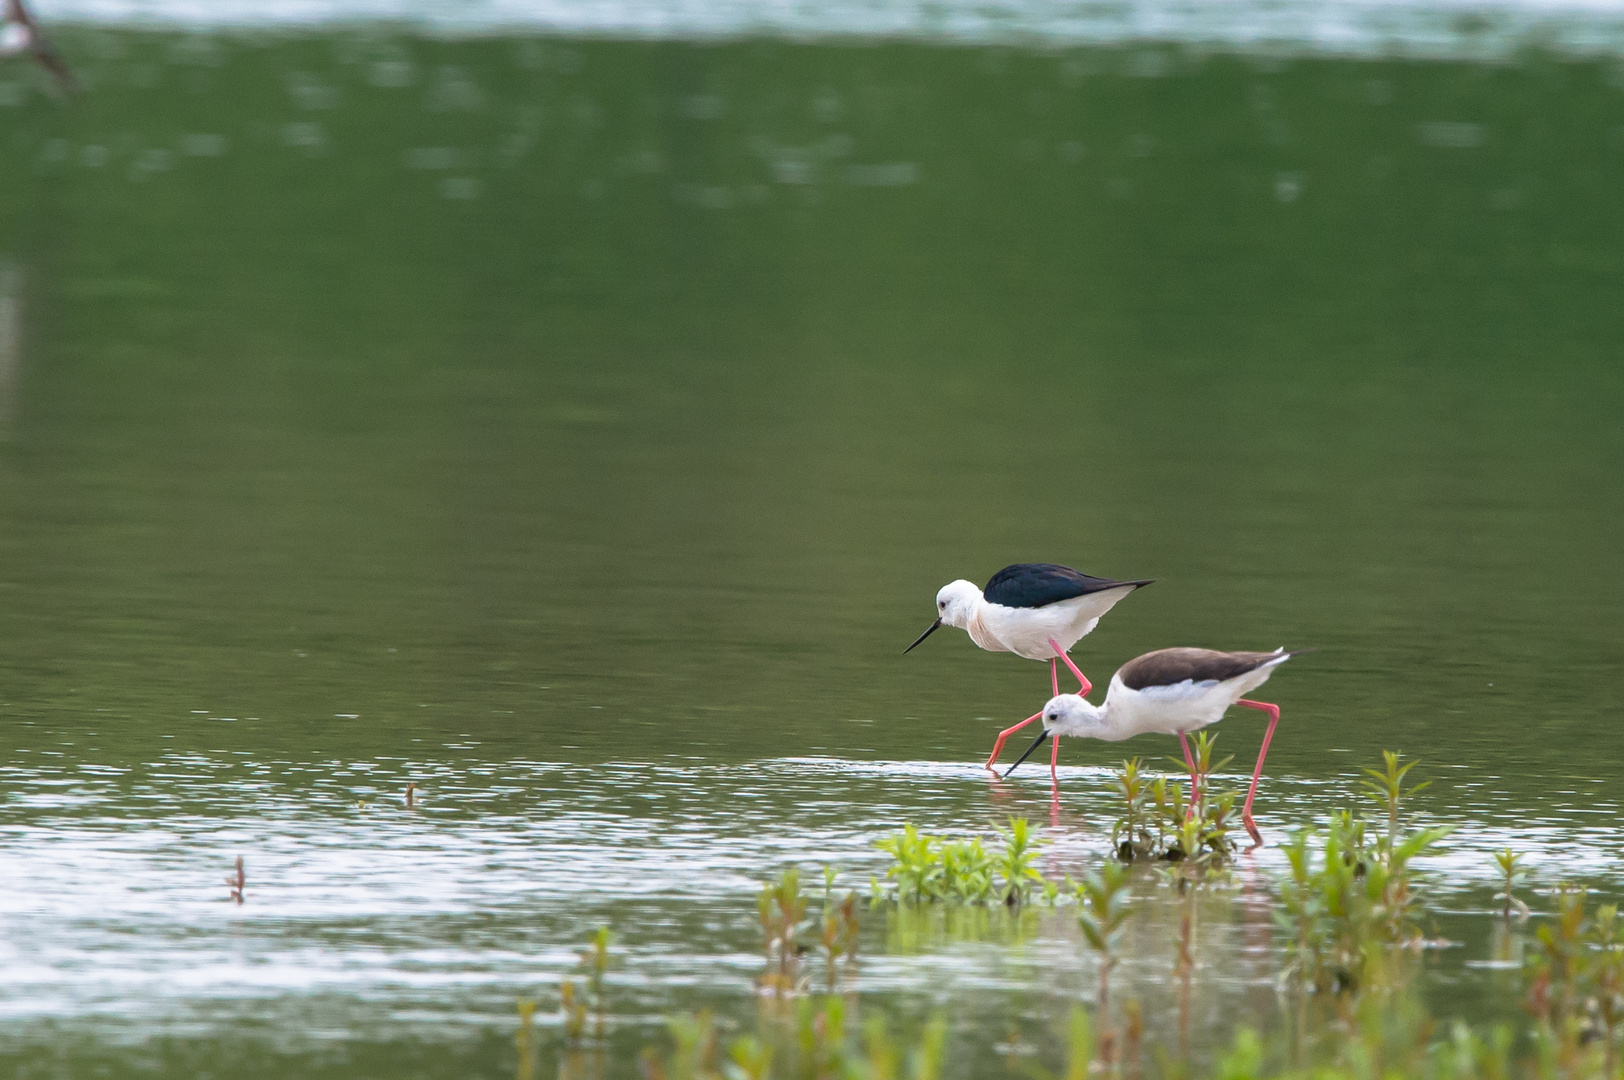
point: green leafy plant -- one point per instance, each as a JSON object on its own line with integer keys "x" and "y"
{"x": 1350, "y": 912}
{"x": 1343, "y": 911}
{"x": 840, "y": 928}
{"x": 928, "y": 869}
{"x": 1576, "y": 987}
{"x": 822, "y": 1049}
{"x": 1157, "y": 823}
{"x": 1014, "y": 864}
{"x": 1103, "y": 895}
{"x": 584, "y": 1010}
{"x": 1510, "y": 874}
{"x": 525, "y": 1040}
{"x": 782, "y": 911}
{"x": 1204, "y": 743}
{"x": 693, "y": 1055}
{"x": 1132, "y": 836}
{"x": 1386, "y": 786}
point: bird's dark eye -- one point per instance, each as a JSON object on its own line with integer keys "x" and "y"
{"x": 941, "y": 603}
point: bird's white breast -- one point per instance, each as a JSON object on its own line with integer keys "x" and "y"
{"x": 1183, "y": 706}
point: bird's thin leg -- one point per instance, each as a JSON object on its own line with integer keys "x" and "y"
{"x": 1003, "y": 736}
{"x": 1054, "y": 762}
{"x": 1189, "y": 760}
{"x": 1054, "y": 679}
{"x": 1087, "y": 686}
{"x": 1257, "y": 773}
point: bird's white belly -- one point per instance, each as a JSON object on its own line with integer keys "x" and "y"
{"x": 1026, "y": 631}
{"x": 1168, "y": 710}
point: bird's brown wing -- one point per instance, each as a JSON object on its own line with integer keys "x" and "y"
{"x": 1169, "y": 667}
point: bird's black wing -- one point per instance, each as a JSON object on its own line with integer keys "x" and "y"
{"x": 1031, "y": 585}
{"x": 1169, "y": 667}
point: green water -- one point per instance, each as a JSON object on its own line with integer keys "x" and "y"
{"x": 582, "y": 429}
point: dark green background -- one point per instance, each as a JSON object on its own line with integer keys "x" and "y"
{"x": 643, "y": 454}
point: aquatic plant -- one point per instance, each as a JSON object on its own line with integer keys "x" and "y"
{"x": 820, "y": 1039}
{"x": 1131, "y": 835}
{"x": 821, "y": 1049}
{"x": 929, "y": 869}
{"x": 1510, "y": 874}
{"x": 1607, "y": 982}
{"x": 1201, "y": 779}
{"x": 840, "y": 929}
{"x": 694, "y": 1055}
{"x": 1104, "y": 898}
{"x": 1359, "y": 899}
{"x": 1387, "y": 787}
{"x": 914, "y": 864}
{"x": 1575, "y": 987}
{"x": 749, "y": 1059}
{"x": 525, "y": 1040}
{"x": 584, "y": 1011}
{"x": 1188, "y": 874}
{"x": 1350, "y": 909}
{"x": 781, "y": 909}
{"x": 1157, "y": 823}
{"x": 1014, "y": 864}
{"x": 1079, "y": 1047}
{"x": 882, "y": 1059}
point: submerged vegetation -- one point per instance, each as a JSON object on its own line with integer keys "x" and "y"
{"x": 1158, "y": 823}
{"x": 821, "y": 1041}
{"x": 583, "y": 1008}
{"x": 1349, "y": 917}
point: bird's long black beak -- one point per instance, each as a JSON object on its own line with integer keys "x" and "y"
{"x": 1028, "y": 753}
{"x": 929, "y": 630}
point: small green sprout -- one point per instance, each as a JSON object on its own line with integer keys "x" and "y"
{"x": 1510, "y": 874}
{"x": 1387, "y": 787}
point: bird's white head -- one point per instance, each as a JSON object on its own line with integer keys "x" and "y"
{"x": 955, "y": 606}
{"x": 956, "y": 603}
{"x": 1067, "y": 714}
{"x": 1073, "y": 715}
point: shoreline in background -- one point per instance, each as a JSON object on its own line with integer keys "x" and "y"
{"x": 1375, "y": 28}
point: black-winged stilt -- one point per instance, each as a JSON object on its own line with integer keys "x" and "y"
{"x": 1035, "y": 610}
{"x": 1169, "y": 692}
{"x": 19, "y": 34}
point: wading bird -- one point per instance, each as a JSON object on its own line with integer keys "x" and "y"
{"x": 1168, "y": 692}
{"x": 1035, "y": 610}
{"x": 20, "y": 34}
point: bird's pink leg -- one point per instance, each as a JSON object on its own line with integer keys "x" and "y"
{"x": 1087, "y": 686}
{"x": 1054, "y": 679}
{"x": 1054, "y": 762}
{"x": 1257, "y": 773}
{"x": 1189, "y": 759}
{"x": 1003, "y": 736}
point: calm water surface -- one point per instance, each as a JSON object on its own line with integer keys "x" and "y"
{"x": 581, "y": 429}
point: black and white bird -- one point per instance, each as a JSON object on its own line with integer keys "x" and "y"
{"x": 20, "y": 34}
{"x": 1035, "y": 610}
{"x": 1169, "y": 692}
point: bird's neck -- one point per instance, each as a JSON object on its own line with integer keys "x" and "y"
{"x": 977, "y": 629}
